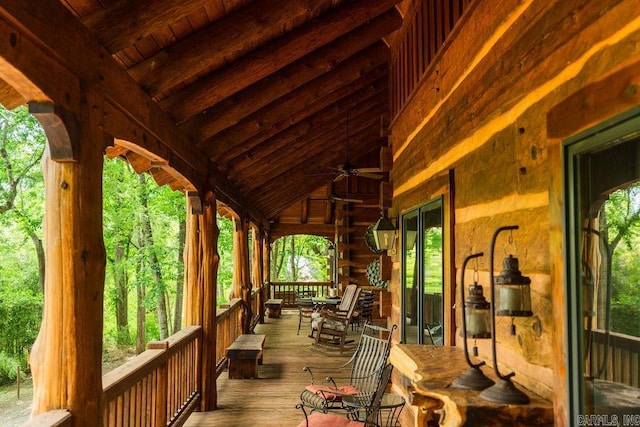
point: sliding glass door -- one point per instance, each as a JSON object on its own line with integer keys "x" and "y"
{"x": 423, "y": 274}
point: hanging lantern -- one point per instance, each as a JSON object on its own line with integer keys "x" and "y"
{"x": 514, "y": 296}
{"x": 384, "y": 233}
{"x": 478, "y": 314}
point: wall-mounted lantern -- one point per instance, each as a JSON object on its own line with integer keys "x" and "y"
{"x": 476, "y": 323}
{"x": 384, "y": 233}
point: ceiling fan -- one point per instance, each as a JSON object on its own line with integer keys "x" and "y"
{"x": 347, "y": 169}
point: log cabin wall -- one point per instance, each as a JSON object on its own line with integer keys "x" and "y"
{"x": 478, "y": 111}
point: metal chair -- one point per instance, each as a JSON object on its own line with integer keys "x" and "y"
{"x": 320, "y": 418}
{"x": 358, "y": 375}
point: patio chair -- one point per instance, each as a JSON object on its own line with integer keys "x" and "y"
{"x": 332, "y": 327}
{"x": 358, "y": 375}
{"x": 341, "y": 310}
{"x": 364, "y": 310}
{"x": 318, "y": 418}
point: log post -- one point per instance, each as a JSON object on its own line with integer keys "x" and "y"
{"x": 201, "y": 270}
{"x": 241, "y": 278}
{"x": 66, "y": 359}
{"x": 256, "y": 269}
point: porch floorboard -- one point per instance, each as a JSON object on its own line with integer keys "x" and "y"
{"x": 270, "y": 400}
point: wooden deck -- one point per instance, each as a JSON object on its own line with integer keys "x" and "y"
{"x": 271, "y": 399}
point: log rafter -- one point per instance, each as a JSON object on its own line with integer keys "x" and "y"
{"x": 249, "y": 26}
{"x": 283, "y": 51}
{"x": 232, "y": 110}
{"x": 67, "y": 50}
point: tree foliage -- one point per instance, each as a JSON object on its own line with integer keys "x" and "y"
{"x": 22, "y": 143}
{"x": 299, "y": 258}
{"x": 622, "y": 231}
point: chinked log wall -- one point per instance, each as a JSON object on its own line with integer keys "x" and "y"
{"x": 480, "y": 111}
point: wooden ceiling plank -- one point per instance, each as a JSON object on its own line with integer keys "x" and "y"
{"x": 43, "y": 48}
{"x": 121, "y": 23}
{"x": 233, "y": 109}
{"x": 290, "y": 110}
{"x": 322, "y": 155}
{"x": 280, "y": 230}
{"x": 236, "y": 32}
{"x": 266, "y": 194}
{"x": 276, "y": 55}
{"x": 328, "y": 127}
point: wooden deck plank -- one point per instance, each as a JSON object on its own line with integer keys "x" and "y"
{"x": 270, "y": 400}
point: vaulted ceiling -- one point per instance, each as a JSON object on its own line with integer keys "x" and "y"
{"x": 279, "y": 94}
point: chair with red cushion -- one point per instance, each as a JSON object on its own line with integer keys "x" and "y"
{"x": 317, "y": 418}
{"x": 359, "y": 375}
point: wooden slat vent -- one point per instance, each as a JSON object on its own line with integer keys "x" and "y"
{"x": 430, "y": 23}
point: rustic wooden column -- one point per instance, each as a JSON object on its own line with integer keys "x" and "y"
{"x": 201, "y": 273}
{"x": 241, "y": 277}
{"x": 266, "y": 260}
{"x": 66, "y": 359}
{"x": 256, "y": 269}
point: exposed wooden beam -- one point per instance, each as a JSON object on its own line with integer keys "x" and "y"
{"x": 238, "y": 31}
{"x": 316, "y": 153}
{"x": 233, "y": 109}
{"x": 325, "y": 129}
{"x": 279, "y": 230}
{"x": 283, "y": 51}
{"x": 121, "y": 23}
{"x": 10, "y": 98}
{"x": 296, "y": 107}
{"x": 272, "y": 201}
{"x": 54, "y": 51}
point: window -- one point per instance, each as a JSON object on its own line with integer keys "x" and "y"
{"x": 602, "y": 185}
{"x": 423, "y": 274}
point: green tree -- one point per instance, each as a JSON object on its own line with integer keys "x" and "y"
{"x": 22, "y": 143}
{"x": 621, "y": 232}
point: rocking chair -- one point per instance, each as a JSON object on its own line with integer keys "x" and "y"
{"x": 359, "y": 375}
{"x": 333, "y": 326}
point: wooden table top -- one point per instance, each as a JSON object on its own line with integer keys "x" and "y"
{"x": 432, "y": 369}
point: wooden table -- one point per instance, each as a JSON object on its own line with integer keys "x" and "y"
{"x": 326, "y": 301}
{"x": 432, "y": 369}
{"x": 245, "y": 354}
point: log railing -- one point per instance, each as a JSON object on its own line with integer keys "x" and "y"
{"x": 158, "y": 387}
{"x": 287, "y": 290}
{"x": 229, "y": 327}
{"x": 622, "y": 358}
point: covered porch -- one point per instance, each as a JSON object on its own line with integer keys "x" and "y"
{"x": 450, "y": 118}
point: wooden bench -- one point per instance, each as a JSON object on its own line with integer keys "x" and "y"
{"x": 244, "y": 355}
{"x": 274, "y": 307}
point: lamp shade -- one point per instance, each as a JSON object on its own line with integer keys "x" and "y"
{"x": 384, "y": 233}
{"x": 477, "y": 313}
{"x": 514, "y": 296}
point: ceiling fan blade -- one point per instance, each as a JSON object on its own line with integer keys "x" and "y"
{"x": 350, "y": 200}
{"x": 369, "y": 175}
{"x": 369, "y": 170}
{"x": 339, "y": 177}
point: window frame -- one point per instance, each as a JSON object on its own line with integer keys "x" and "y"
{"x": 606, "y": 134}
